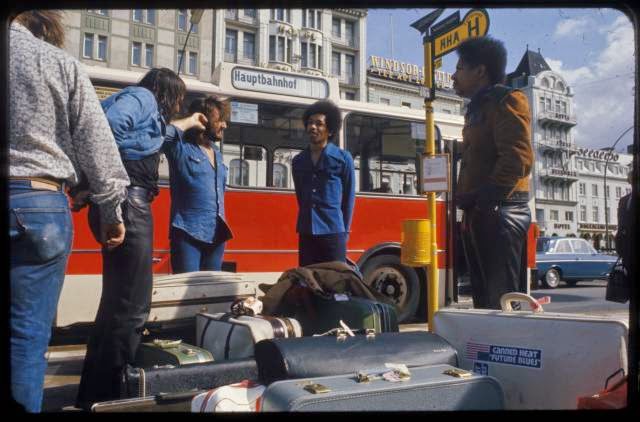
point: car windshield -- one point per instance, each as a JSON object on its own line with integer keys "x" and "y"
{"x": 544, "y": 245}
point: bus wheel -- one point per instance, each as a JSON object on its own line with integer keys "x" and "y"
{"x": 385, "y": 274}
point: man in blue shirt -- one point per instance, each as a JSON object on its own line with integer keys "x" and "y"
{"x": 324, "y": 177}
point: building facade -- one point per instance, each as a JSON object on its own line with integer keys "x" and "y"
{"x": 323, "y": 42}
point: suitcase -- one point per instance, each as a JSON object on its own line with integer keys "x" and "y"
{"x": 543, "y": 360}
{"x": 169, "y": 352}
{"x": 436, "y": 387}
{"x": 141, "y": 382}
{"x": 171, "y": 402}
{"x": 356, "y": 312}
{"x": 244, "y": 396}
{"x": 233, "y": 337}
{"x": 317, "y": 356}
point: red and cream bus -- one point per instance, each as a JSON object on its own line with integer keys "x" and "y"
{"x": 265, "y": 132}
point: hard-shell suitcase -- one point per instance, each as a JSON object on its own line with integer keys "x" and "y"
{"x": 141, "y": 382}
{"x": 169, "y": 352}
{"x": 317, "y": 356}
{"x": 245, "y": 396}
{"x": 436, "y": 387}
{"x": 233, "y": 337}
{"x": 543, "y": 360}
{"x": 357, "y": 312}
{"x": 164, "y": 402}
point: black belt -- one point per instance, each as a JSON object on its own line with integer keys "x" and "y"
{"x": 517, "y": 197}
{"x": 148, "y": 194}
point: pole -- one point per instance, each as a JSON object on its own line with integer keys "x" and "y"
{"x": 606, "y": 209}
{"x": 432, "y": 269}
{"x": 183, "y": 48}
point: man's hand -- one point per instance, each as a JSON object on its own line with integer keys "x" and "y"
{"x": 79, "y": 200}
{"x": 196, "y": 120}
{"x": 466, "y": 201}
{"x": 113, "y": 235}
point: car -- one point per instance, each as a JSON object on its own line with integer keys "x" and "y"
{"x": 570, "y": 259}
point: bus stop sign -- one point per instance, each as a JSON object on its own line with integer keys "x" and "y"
{"x": 474, "y": 24}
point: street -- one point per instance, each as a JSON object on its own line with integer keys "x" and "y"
{"x": 65, "y": 361}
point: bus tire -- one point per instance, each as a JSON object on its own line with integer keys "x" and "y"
{"x": 385, "y": 274}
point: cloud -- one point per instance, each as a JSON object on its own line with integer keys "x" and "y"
{"x": 604, "y": 91}
{"x": 571, "y": 26}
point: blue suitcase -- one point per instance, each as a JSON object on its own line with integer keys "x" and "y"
{"x": 429, "y": 388}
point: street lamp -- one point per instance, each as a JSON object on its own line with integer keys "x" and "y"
{"x": 196, "y": 15}
{"x": 606, "y": 209}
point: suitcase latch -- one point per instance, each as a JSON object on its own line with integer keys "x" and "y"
{"x": 458, "y": 373}
{"x": 316, "y": 388}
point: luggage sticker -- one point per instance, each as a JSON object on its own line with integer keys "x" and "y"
{"x": 504, "y": 355}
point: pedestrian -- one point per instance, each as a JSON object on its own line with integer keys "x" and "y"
{"x": 198, "y": 229}
{"x": 323, "y": 175}
{"x": 493, "y": 186}
{"x": 625, "y": 233}
{"x": 138, "y": 116}
{"x": 58, "y": 136}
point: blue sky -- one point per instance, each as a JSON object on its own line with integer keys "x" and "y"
{"x": 593, "y": 49}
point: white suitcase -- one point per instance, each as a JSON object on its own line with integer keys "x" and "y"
{"x": 542, "y": 360}
{"x": 244, "y": 396}
{"x": 234, "y": 337}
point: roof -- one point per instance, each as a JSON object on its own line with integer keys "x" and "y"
{"x": 531, "y": 64}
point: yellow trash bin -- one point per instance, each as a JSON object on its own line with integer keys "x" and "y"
{"x": 415, "y": 241}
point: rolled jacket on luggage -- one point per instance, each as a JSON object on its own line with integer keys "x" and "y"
{"x": 280, "y": 359}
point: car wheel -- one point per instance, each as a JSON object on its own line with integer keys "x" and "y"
{"x": 571, "y": 283}
{"x": 386, "y": 275}
{"x": 551, "y": 279}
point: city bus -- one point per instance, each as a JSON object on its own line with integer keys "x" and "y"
{"x": 265, "y": 131}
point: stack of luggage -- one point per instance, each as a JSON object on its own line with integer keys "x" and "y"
{"x": 319, "y": 340}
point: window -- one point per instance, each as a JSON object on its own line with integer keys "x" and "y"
{"x": 193, "y": 63}
{"x": 349, "y": 32}
{"x": 249, "y": 44}
{"x": 183, "y": 21}
{"x": 384, "y": 151}
{"x": 312, "y": 18}
{"x": 335, "y": 64}
{"x": 147, "y": 16}
{"x": 547, "y": 104}
{"x": 250, "y": 13}
{"x": 335, "y": 28}
{"x": 231, "y": 45}
{"x": 594, "y": 190}
{"x": 189, "y": 64}
{"x": 277, "y": 50}
{"x": 568, "y": 215}
{"x": 405, "y": 104}
{"x": 596, "y": 214}
{"x": 563, "y": 246}
{"x": 231, "y": 14}
{"x": 88, "y": 46}
{"x": 554, "y": 215}
{"x": 94, "y": 47}
{"x": 350, "y": 96}
{"x": 580, "y": 164}
{"x": 385, "y": 101}
{"x": 618, "y": 192}
{"x": 148, "y": 55}
{"x": 136, "y": 53}
{"x": 580, "y": 246}
{"x": 349, "y": 68}
{"x": 542, "y": 107}
{"x": 311, "y": 55}
{"x": 583, "y": 213}
{"x": 267, "y": 146}
{"x": 280, "y": 15}
{"x": 606, "y": 191}
{"x": 582, "y": 188}
{"x": 102, "y": 12}
{"x": 607, "y": 216}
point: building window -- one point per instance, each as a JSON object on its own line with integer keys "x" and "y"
{"x": 582, "y": 188}
{"x": 568, "y": 215}
{"x": 250, "y": 13}
{"x": 231, "y": 14}
{"x": 583, "y": 213}
{"x": 280, "y": 15}
{"x": 606, "y": 191}
{"x": 596, "y": 215}
{"x": 385, "y": 101}
{"x": 280, "y": 178}
{"x": 405, "y": 104}
{"x": 249, "y": 45}
{"x": 147, "y": 16}
{"x": 137, "y": 51}
{"x": 554, "y": 215}
{"x": 547, "y": 104}
{"x": 607, "y": 216}
{"x": 580, "y": 164}
{"x": 335, "y": 64}
{"x": 349, "y": 61}
{"x": 95, "y": 47}
{"x": 350, "y": 96}
{"x": 335, "y": 27}
{"x": 349, "y": 32}
{"x": 231, "y": 45}
{"x": 101, "y": 12}
{"x": 594, "y": 190}
{"x": 312, "y": 18}
{"x": 239, "y": 172}
{"x": 191, "y": 65}
{"x": 618, "y": 192}
{"x": 311, "y": 55}
{"x": 279, "y": 49}
{"x": 183, "y": 21}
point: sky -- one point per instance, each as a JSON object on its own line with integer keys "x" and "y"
{"x": 592, "y": 48}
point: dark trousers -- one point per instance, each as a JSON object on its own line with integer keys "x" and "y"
{"x": 494, "y": 243}
{"x": 127, "y": 282}
{"x": 313, "y": 249}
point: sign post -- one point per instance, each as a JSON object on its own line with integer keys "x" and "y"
{"x": 443, "y": 38}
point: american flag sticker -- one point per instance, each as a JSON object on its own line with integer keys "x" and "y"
{"x": 477, "y": 351}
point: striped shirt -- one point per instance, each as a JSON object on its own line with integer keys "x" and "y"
{"x": 57, "y": 128}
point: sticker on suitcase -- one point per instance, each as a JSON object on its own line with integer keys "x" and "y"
{"x": 505, "y": 355}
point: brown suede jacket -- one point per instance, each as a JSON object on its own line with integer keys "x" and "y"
{"x": 497, "y": 142}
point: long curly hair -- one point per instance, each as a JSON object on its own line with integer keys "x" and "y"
{"x": 168, "y": 89}
{"x": 44, "y": 24}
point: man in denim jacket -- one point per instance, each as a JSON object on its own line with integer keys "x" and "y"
{"x": 324, "y": 177}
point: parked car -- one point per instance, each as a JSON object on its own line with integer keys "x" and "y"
{"x": 570, "y": 260}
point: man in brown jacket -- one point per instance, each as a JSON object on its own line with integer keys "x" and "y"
{"x": 493, "y": 186}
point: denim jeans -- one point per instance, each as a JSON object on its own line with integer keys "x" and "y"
{"x": 189, "y": 254}
{"x": 40, "y": 232}
{"x": 314, "y": 249}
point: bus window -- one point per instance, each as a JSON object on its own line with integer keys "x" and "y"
{"x": 385, "y": 152}
{"x": 263, "y": 138}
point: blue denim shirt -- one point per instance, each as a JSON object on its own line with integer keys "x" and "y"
{"x": 197, "y": 188}
{"x": 135, "y": 121}
{"x": 325, "y": 192}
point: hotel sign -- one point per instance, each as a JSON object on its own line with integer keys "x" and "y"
{"x": 406, "y": 72}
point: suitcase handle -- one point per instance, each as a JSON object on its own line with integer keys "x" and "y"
{"x": 505, "y": 301}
